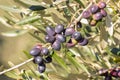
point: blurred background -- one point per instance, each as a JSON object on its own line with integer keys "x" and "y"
{"x": 11, "y": 48}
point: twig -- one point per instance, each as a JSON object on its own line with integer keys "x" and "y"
{"x": 71, "y": 5}
{"x": 79, "y": 17}
{"x": 19, "y": 65}
{"x": 58, "y": 2}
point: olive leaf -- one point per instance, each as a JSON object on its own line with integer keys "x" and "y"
{"x": 28, "y": 20}
{"x": 10, "y": 9}
{"x": 31, "y": 2}
{"x": 109, "y": 25}
{"x": 36, "y": 8}
{"x": 61, "y": 62}
{"x": 37, "y": 37}
{"x": 57, "y": 13}
{"x": 14, "y": 33}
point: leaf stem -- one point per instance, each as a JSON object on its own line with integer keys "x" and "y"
{"x": 17, "y": 66}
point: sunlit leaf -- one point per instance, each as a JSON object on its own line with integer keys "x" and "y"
{"x": 28, "y": 19}
{"x": 61, "y": 62}
{"x": 74, "y": 52}
{"x": 12, "y": 74}
{"x": 54, "y": 11}
{"x": 10, "y": 9}
{"x": 27, "y": 54}
{"x": 38, "y": 38}
{"x": 31, "y": 2}
{"x": 3, "y": 21}
{"x": 14, "y": 33}
{"x": 55, "y": 76}
{"x": 80, "y": 64}
{"x": 73, "y": 61}
{"x": 12, "y": 65}
{"x": 49, "y": 19}
{"x": 109, "y": 25}
{"x": 56, "y": 19}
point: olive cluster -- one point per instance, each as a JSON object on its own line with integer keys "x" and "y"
{"x": 108, "y": 74}
{"x": 41, "y": 56}
{"x": 95, "y": 13}
{"x": 58, "y": 35}
{"x": 55, "y": 36}
{"x": 76, "y": 37}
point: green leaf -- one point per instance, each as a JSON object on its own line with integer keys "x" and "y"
{"x": 12, "y": 74}
{"x": 27, "y": 54}
{"x": 55, "y": 18}
{"x": 28, "y": 20}
{"x": 10, "y": 9}
{"x": 41, "y": 29}
{"x": 79, "y": 1}
{"x": 14, "y": 33}
{"x": 72, "y": 60}
{"x": 36, "y": 8}
{"x": 67, "y": 12}
{"x": 60, "y": 62}
{"x": 80, "y": 64}
{"x": 37, "y": 37}
{"x": 3, "y": 21}
{"x": 74, "y": 52}
{"x": 57, "y": 13}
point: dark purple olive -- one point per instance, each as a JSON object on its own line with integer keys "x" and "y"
{"x": 108, "y": 77}
{"x": 50, "y": 31}
{"x": 118, "y": 72}
{"x": 60, "y": 38}
{"x": 103, "y": 12}
{"x": 79, "y": 25}
{"x": 36, "y": 50}
{"x": 41, "y": 68}
{"x": 86, "y": 14}
{"x": 44, "y": 51}
{"x": 101, "y": 5}
{"x": 114, "y": 73}
{"x": 97, "y": 16}
{"x": 69, "y": 31}
{"x": 83, "y": 42}
{"x": 94, "y": 9}
{"x": 38, "y": 60}
{"x": 71, "y": 43}
{"x": 56, "y": 45}
{"x": 103, "y": 72}
{"x": 48, "y": 59}
{"x": 77, "y": 36}
{"x": 59, "y": 28}
{"x": 49, "y": 38}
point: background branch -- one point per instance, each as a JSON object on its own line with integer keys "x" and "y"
{"x": 17, "y": 66}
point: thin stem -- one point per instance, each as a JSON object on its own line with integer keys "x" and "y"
{"x": 17, "y": 66}
{"x": 80, "y": 16}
